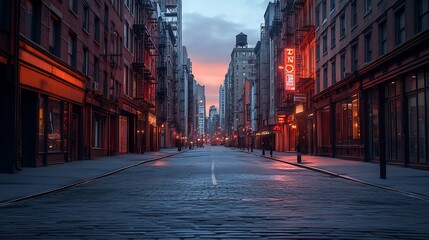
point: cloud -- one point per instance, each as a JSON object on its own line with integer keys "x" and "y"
{"x": 211, "y": 39}
{"x": 209, "y": 31}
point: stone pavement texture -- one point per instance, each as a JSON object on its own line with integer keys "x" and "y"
{"x": 38, "y": 181}
{"x": 407, "y": 181}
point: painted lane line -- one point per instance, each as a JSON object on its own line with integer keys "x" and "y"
{"x": 214, "y": 181}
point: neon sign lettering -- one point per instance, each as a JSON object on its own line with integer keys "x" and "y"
{"x": 289, "y": 69}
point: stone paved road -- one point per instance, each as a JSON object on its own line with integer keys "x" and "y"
{"x": 215, "y": 192}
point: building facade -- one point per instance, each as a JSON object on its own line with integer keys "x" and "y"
{"x": 241, "y": 70}
{"x": 200, "y": 101}
{"x": 361, "y": 82}
{"x": 82, "y": 79}
{"x": 222, "y": 109}
{"x": 372, "y": 62}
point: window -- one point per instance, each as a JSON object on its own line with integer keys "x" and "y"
{"x": 132, "y": 8}
{"x": 98, "y": 132}
{"x": 417, "y": 97}
{"x": 400, "y": 26}
{"x": 134, "y": 86}
{"x": 325, "y": 44}
{"x": 105, "y": 84}
{"x": 325, "y": 127}
{"x": 85, "y": 60}
{"x": 324, "y": 11}
{"x": 106, "y": 17}
{"x": 4, "y": 15}
{"x": 311, "y": 61}
{"x": 325, "y": 77}
{"x": 54, "y": 125}
{"x": 333, "y": 36}
{"x": 373, "y": 123}
{"x": 318, "y": 82}
{"x": 422, "y": 18}
{"x": 55, "y": 35}
{"x": 343, "y": 64}
{"x": 317, "y": 51}
{"x": 382, "y": 38}
{"x": 333, "y": 72}
{"x": 342, "y": 25}
{"x": 367, "y": 6}
{"x": 71, "y": 50}
{"x": 354, "y": 14}
{"x": 126, "y": 80}
{"x": 126, "y": 35}
{"x": 85, "y": 24}
{"x": 96, "y": 29}
{"x": 332, "y": 5}
{"x": 348, "y": 122}
{"x": 32, "y": 20}
{"x": 368, "y": 47}
{"x": 42, "y": 111}
{"x": 317, "y": 16}
{"x": 354, "y": 57}
{"x": 73, "y": 5}
{"x": 96, "y": 69}
{"x": 119, "y": 7}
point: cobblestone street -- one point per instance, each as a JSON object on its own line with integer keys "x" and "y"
{"x": 215, "y": 192}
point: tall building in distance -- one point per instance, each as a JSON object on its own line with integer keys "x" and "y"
{"x": 240, "y": 73}
{"x": 167, "y": 82}
{"x": 222, "y": 108}
{"x": 201, "y": 106}
{"x": 212, "y": 122}
{"x": 171, "y": 11}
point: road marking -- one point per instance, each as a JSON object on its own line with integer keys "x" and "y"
{"x": 214, "y": 181}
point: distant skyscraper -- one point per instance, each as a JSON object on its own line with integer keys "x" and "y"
{"x": 241, "y": 70}
{"x": 222, "y": 107}
{"x": 201, "y": 106}
{"x": 212, "y": 121}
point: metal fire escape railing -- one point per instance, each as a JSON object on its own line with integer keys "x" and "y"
{"x": 302, "y": 28}
{"x": 145, "y": 30}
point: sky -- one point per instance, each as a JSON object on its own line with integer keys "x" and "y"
{"x": 209, "y": 30}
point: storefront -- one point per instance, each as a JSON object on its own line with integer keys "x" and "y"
{"x": 399, "y": 109}
{"x": 51, "y": 97}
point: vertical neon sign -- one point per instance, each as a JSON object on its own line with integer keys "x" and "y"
{"x": 289, "y": 69}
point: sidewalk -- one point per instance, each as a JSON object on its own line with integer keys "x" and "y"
{"x": 41, "y": 180}
{"x": 407, "y": 181}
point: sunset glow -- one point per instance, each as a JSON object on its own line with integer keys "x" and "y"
{"x": 209, "y": 30}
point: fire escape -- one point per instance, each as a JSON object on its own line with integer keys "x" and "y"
{"x": 172, "y": 18}
{"x": 161, "y": 91}
{"x": 286, "y": 106}
{"x": 145, "y": 29}
{"x": 302, "y": 29}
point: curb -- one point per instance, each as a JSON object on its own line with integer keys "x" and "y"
{"x": 402, "y": 192}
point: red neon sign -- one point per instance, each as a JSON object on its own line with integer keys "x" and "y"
{"x": 289, "y": 68}
{"x": 277, "y": 128}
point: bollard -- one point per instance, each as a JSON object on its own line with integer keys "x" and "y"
{"x": 298, "y": 153}
{"x": 263, "y": 149}
{"x": 271, "y": 152}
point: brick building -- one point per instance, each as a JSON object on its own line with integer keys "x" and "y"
{"x": 80, "y": 80}
{"x": 372, "y": 84}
